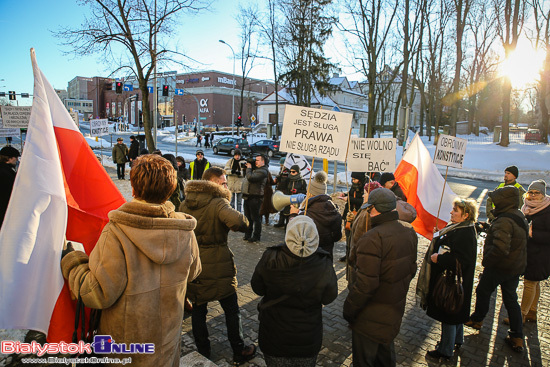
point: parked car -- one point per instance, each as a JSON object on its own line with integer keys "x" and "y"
{"x": 533, "y": 135}
{"x": 267, "y": 147}
{"x": 230, "y": 144}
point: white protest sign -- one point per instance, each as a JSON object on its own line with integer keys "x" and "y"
{"x": 450, "y": 151}
{"x": 372, "y": 155}
{"x": 301, "y": 161}
{"x": 99, "y": 127}
{"x": 16, "y": 116}
{"x": 315, "y": 133}
{"x": 7, "y": 133}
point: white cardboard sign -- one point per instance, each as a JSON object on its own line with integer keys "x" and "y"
{"x": 372, "y": 155}
{"x": 16, "y": 116}
{"x": 99, "y": 127}
{"x": 315, "y": 133}
{"x": 7, "y": 133}
{"x": 450, "y": 151}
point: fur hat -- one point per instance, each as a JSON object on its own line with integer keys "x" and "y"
{"x": 385, "y": 177}
{"x": 301, "y": 237}
{"x": 513, "y": 170}
{"x": 383, "y": 199}
{"x": 538, "y": 185}
{"x": 9, "y": 152}
{"x": 318, "y": 185}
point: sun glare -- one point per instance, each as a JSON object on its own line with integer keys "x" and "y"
{"x": 523, "y": 66}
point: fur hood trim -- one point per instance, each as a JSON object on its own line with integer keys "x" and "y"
{"x": 147, "y": 216}
{"x": 207, "y": 187}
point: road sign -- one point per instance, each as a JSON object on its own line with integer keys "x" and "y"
{"x": 128, "y": 87}
{"x": 203, "y": 118}
{"x": 150, "y": 89}
{"x": 178, "y": 92}
{"x": 253, "y": 118}
{"x": 16, "y": 116}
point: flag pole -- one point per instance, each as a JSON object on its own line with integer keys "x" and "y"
{"x": 308, "y": 184}
{"x": 441, "y": 200}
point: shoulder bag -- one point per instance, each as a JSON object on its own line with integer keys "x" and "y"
{"x": 448, "y": 293}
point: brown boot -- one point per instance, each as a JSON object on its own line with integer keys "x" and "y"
{"x": 474, "y": 324}
{"x": 515, "y": 343}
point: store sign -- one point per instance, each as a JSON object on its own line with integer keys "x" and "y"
{"x": 204, "y": 105}
{"x": 225, "y": 80}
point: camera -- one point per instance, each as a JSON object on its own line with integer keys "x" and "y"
{"x": 250, "y": 160}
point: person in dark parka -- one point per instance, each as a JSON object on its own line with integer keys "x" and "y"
{"x": 8, "y": 161}
{"x": 133, "y": 152}
{"x": 295, "y": 280}
{"x": 457, "y": 241}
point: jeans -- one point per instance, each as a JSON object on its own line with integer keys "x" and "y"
{"x": 120, "y": 170}
{"x": 489, "y": 281}
{"x": 252, "y": 206}
{"x": 450, "y": 335}
{"x": 232, "y": 321}
{"x": 367, "y": 353}
{"x": 239, "y": 205}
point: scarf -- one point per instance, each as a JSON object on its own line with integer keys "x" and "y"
{"x": 531, "y": 207}
{"x": 423, "y": 283}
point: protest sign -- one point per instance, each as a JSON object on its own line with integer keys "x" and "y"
{"x": 315, "y": 133}
{"x": 371, "y": 155}
{"x": 450, "y": 151}
{"x": 16, "y": 116}
{"x": 8, "y": 133}
{"x": 99, "y": 127}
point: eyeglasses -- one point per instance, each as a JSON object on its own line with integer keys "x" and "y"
{"x": 534, "y": 192}
{"x": 293, "y": 171}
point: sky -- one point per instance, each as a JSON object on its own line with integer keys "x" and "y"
{"x": 30, "y": 23}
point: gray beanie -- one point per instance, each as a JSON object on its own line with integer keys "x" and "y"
{"x": 538, "y": 185}
{"x": 383, "y": 200}
{"x": 302, "y": 238}
{"x": 318, "y": 185}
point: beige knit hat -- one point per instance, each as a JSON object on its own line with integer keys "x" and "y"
{"x": 318, "y": 185}
{"x": 302, "y": 238}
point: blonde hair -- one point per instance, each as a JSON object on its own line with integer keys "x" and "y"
{"x": 153, "y": 178}
{"x": 467, "y": 206}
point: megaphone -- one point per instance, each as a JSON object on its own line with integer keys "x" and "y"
{"x": 281, "y": 200}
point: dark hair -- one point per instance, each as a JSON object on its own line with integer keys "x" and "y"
{"x": 172, "y": 159}
{"x": 157, "y": 151}
{"x": 212, "y": 172}
{"x": 153, "y": 178}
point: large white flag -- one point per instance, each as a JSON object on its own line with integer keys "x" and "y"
{"x": 34, "y": 227}
{"x": 423, "y": 185}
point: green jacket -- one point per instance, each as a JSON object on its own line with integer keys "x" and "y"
{"x": 489, "y": 206}
{"x": 120, "y": 153}
{"x": 208, "y": 202}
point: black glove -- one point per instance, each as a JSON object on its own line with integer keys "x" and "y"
{"x": 66, "y": 251}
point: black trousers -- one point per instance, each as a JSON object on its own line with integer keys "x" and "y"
{"x": 120, "y": 170}
{"x": 252, "y": 206}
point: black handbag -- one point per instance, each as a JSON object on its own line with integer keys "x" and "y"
{"x": 448, "y": 293}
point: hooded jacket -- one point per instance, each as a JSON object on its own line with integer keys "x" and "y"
{"x": 293, "y": 327}
{"x": 327, "y": 219}
{"x": 208, "y": 202}
{"x": 382, "y": 265}
{"x": 505, "y": 249}
{"x": 137, "y": 274}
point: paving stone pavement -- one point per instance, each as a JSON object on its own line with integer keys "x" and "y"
{"x": 418, "y": 334}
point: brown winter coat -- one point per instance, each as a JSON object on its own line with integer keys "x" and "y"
{"x": 234, "y": 180}
{"x": 208, "y": 202}
{"x": 138, "y": 273}
{"x": 382, "y": 264}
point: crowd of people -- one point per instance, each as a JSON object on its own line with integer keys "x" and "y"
{"x": 169, "y": 244}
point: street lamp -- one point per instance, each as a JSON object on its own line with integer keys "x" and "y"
{"x": 232, "y": 92}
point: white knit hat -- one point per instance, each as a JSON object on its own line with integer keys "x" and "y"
{"x": 302, "y": 238}
{"x": 318, "y": 185}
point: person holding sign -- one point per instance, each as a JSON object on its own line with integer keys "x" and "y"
{"x": 387, "y": 180}
{"x": 8, "y": 160}
{"x": 293, "y": 184}
{"x": 120, "y": 157}
{"x": 354, "y": 200}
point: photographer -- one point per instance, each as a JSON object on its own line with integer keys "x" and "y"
{"x": 235, "y": 169}
{"x": 253, "y": 193}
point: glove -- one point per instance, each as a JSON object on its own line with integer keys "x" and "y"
{"x": 350, "y": 217}
{"x": 67, "y": 250}
{"x": 297, "y": 198}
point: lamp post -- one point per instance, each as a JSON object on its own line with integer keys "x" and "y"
{"x": 233, "y": 91}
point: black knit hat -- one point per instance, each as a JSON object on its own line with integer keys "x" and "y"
{"x": 513, "y": 170}
{"x": 295, "y": 168}
{"x": 9, "y": 152}
{"x": 358, "y": 176}
{"x": 385, "y": 177}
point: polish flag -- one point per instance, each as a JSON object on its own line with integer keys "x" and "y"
{"x": 423, "y": 185}
{"x": 60, "y": 190}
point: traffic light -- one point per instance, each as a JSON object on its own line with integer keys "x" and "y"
{"x": 165, "y": 91}
{"x": 239, "y": 121}
{"x": 183, "y": 119}
{"x": 118, "y": 87}
{"x": 12, "y": 95}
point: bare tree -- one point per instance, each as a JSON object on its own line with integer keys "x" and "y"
{"x": 510, "y": 18}
{"x": 131, "y": 35}
{"x": 541, "y": 12}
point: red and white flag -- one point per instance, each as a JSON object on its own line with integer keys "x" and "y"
{"x": 60, "y": 190}
{"x": 423, "y": 184}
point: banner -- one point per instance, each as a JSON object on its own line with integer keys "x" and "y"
{"x": 7, "y": 133}
{"x": 16, "y": 116}
{"x": 372, "y": 155}
{"x": 316, "y": 133}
